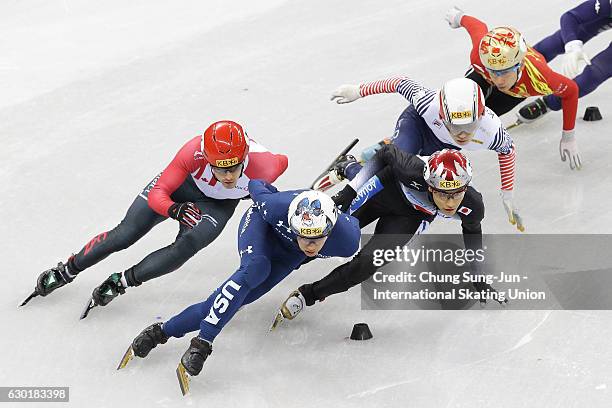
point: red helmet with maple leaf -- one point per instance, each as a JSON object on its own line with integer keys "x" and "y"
{"x": 448, "y": 170}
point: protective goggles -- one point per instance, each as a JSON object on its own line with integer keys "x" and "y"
{"x": 223, "y": 170}
{"x": 450, "y": 196}
{"x": 466, "y": 128}
{"x": 503, "y": 72}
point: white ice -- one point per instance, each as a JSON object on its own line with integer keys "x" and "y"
{"x": 97, "y": 96}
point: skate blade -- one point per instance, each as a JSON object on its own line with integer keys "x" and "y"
{"x": 129, "y": 355}
{"x": 90, "y": 305}
{"x": 329, "y": 167}
{"x": 278, "y": 320}
{"x": 32, "y": 296}
{"x": 183, "y": 378}
{"x": 515, "y": 124}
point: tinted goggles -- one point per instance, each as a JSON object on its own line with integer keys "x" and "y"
{"x": 502, "y": 72}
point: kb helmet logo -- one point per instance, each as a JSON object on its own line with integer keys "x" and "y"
{"x": 461, "y": 115}
{"x": 448, "y": 185}
{"x": 227, "y": 162}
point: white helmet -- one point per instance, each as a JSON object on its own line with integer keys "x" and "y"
{"x": 312, "y": 214}
{"x": 461, "y": 105}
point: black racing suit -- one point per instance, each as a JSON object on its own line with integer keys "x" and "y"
{"x": 140, "y": 219}
{"x": 401, "y": 204}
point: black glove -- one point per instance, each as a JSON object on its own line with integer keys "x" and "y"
{"x": 488, "y": 292}
{"x": 186, "y": 213}
{"x": 344, "y": 197}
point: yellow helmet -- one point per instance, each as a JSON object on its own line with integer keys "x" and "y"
{"x": 502, "y": 48}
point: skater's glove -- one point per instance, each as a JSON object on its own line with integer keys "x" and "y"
{"x": 291, "y": 307}
{"x": 568, "y": 149}
{"x": 514, "y": 216}
{"x": 346, "y": 94}
{"x": 186, "y": 213}
{"x": 488, "y": 292}
{"x": 453, "y": 17}
{"x": 344, "y": 198}
{"x": 574, "y": 54}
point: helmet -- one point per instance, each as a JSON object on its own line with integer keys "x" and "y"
{"x": 502, "y": 48}
{"x": 448, "y": 170}
{"x": 461, "y": 105}
{"x": 225, "y": 144}
{"x": 312, "y": 214}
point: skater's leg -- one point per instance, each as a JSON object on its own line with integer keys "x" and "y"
{"x": 139, "y": 220}
{"x": 216, "y": 214}
{"x": 591, "y": 77}
{"x": 256, "y": 241}
{"x": 551, "y": 46}
{"x": 391, "y": 231}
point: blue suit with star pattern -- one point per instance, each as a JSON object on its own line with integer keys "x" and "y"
{"x": 268, "y": 253}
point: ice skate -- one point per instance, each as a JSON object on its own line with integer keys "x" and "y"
{"x": 50, "y": 280}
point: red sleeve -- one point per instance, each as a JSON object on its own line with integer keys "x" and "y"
{"x": 382, "y": 86}
{"x": 566, "y": 89}
{"x": 507, "y": 164}
{"x": 476, "y": 29}
{"x": 266, "y": 166}
{"x": 183, "y": 164}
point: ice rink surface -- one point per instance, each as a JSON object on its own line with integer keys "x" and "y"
{"x": 96, "y": 99}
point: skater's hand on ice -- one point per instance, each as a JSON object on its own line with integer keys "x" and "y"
{"x": 188, "y": 214}
{"x": 514, "y": 216}
{"x": 346, "y": 94}
{"x": 488, "y": 292}
{"x": 453, "y": 17}
{"x": 568, "y": 149}
{"x": 574, "y": 54}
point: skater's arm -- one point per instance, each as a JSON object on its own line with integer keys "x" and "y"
{"x": 566, "y": 89}
{"x": 507, "y": 164}
{"x": 344, "y": 239}
{"x": 260, "y": 189}
{"x": 409, "y": 89}
{"x": 172, "y": 177}
{"x": 471, "y": 214}
{"x": 500, "y": 142}
{"x": 265, "y": 165}
{"x": 476, "y": 29}
{"x": 403, "y": 165}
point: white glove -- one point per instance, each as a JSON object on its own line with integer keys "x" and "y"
{"x": 346, "y": 94}
{"x": 291, "y": 307}
{"x": 568, "y": 149}
{"x": 513, "y": 213}
{"x": 573, "y": 55}
{"x": 453, "y": 16}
